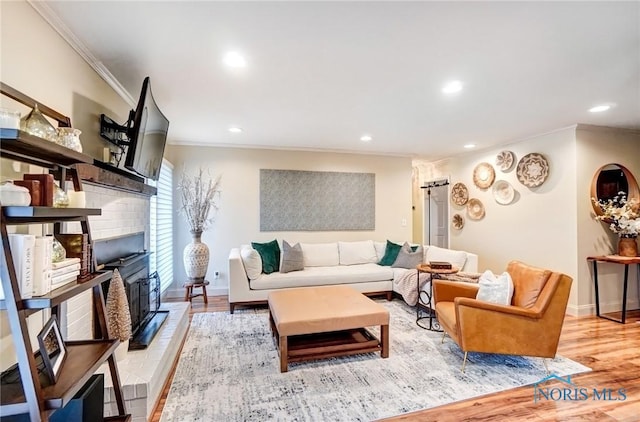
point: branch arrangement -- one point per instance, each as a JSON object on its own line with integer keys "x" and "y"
{"x": 623, "y": 215}
{"x": 200, "y": 196}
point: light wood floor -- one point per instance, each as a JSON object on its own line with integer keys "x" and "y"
{"x": 612, "y": 350}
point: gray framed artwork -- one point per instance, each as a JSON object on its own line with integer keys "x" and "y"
{"x": 295, "y": 200}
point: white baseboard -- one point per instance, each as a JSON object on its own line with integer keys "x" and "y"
{"x": 590, "y": 309}
{"x": 174, "y": 293}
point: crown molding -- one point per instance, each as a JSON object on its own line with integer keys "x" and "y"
{"x": 597, "y": 128}
{"x": 283, "y": 148}
{"x": 59, "y": 26}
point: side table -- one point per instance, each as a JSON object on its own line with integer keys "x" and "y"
{"x": 190, "y": 285}
{"x": 614, "y": 259}
{"x": 423, "y": 306}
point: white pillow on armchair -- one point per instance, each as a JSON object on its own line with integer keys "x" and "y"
{"x": 495, "y": 289}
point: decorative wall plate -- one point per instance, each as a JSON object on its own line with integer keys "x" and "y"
{"x": 533, "y": 170}
{"x": 504, "y": 160}
{"x": 457, "y": 221}
{"x": 503, "y": 192}
{"x": 459, "y": 194}
{"x": 475, "y": 209}
{"x": 484, "y": 175}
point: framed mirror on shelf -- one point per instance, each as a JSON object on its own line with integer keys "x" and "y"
{"x": 611, "y": 179}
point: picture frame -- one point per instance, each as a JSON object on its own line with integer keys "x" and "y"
{"x": 52, "y": 348}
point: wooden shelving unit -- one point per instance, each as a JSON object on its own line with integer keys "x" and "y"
{"x": 32, "y": 392}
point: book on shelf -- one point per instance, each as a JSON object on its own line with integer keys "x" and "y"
{"x": 65, "y": 270}
{"x": 64, "y": 263}
{"x": 22, "y": 251}
{"x": 46, "y": 187}
{"x": 64, "y": 279}
{"x": 42, "y": 265}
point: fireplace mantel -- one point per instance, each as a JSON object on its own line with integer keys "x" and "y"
{"x": 115, "y": 180}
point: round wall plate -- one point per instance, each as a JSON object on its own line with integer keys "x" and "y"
{"x": 533, "y": 170}
{"x": 503, "y": 192}
{"x": 457, "y": 221}
{"x": 475, "y": 209}
{"x": 504, "y": 160}
{"x": 459, "y": 194}
{"x": 483, "y": 175}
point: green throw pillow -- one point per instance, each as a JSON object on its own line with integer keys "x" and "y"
{"x": 390, "y": 254}
{"x": 270, "y": 254}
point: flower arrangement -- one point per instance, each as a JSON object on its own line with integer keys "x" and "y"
{"x": 622, "y": 215}
{"x": 199, "y": 196}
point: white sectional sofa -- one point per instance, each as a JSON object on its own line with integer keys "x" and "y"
{"x": 349, "y": 263}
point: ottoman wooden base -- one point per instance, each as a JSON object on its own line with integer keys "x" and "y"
{"x": 309, "y": 339}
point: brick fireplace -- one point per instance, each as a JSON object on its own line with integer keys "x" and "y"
{"x": 123, "y": 213}
{"x": 143, "y": 372}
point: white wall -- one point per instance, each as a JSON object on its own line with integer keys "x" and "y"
{"x": 238, "y": 221}
{"x": 539, "y": 227}
{"x": 38, "y": 62}
{"x": 597, "y": 146}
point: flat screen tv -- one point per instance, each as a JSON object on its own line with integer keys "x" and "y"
{"x": 147, "y": 136}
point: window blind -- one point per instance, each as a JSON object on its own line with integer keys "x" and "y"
{"x": 161, "y": 231}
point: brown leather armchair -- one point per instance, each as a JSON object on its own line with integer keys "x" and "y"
{"x": 530, "y": 326}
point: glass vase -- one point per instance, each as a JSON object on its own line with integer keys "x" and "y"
{"x": 60, "y": 198}
{"x": 58, "y": 252}
{"x": 70, "y": 138}
{"x": 36, "y": 124}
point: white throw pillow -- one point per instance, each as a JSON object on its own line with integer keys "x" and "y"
{"x": 352, "y": 253}
{"x": 252, "y": 262}
{"x": 456, "y": 258}
{"x": 320, "y": 254}
{"x": 381, "y": 247}
{"x": 495, "y": 289}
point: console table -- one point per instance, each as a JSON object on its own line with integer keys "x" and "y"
{"x": 614, "y": 259}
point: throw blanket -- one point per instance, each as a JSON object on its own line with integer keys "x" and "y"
{"x": 406, "y": 283}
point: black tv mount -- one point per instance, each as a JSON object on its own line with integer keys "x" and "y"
{"x": 115, "y": 133}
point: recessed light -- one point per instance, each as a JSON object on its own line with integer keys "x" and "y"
{"x": 234, "y": 59}
{"x": 235, "y": 129}
{"x": 600, "y": 108}
{"x": 452, "y": 87}
{"x": 469, "y": 146}
{"x": 366, "y": 138}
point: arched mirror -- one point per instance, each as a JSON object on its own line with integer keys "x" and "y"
{"x": 611, "y": 179}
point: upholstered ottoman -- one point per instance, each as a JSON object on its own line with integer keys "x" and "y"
{"x": 320, "y": 322}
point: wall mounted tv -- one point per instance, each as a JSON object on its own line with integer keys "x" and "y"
{"x": 143, "y": 138}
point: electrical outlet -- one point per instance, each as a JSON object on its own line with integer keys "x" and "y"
{"x": 404, "y": 222}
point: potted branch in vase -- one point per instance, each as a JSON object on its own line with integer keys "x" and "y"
{"x": 623, "y": 217}
{"x": 199, "y": 199}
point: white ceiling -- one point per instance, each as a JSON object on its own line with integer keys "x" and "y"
{"x": 322, "y": 74}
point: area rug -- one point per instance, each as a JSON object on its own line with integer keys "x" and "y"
{"x": 229, "y": 371}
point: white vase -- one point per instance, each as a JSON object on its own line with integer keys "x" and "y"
{"x": 196, "y": 258}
